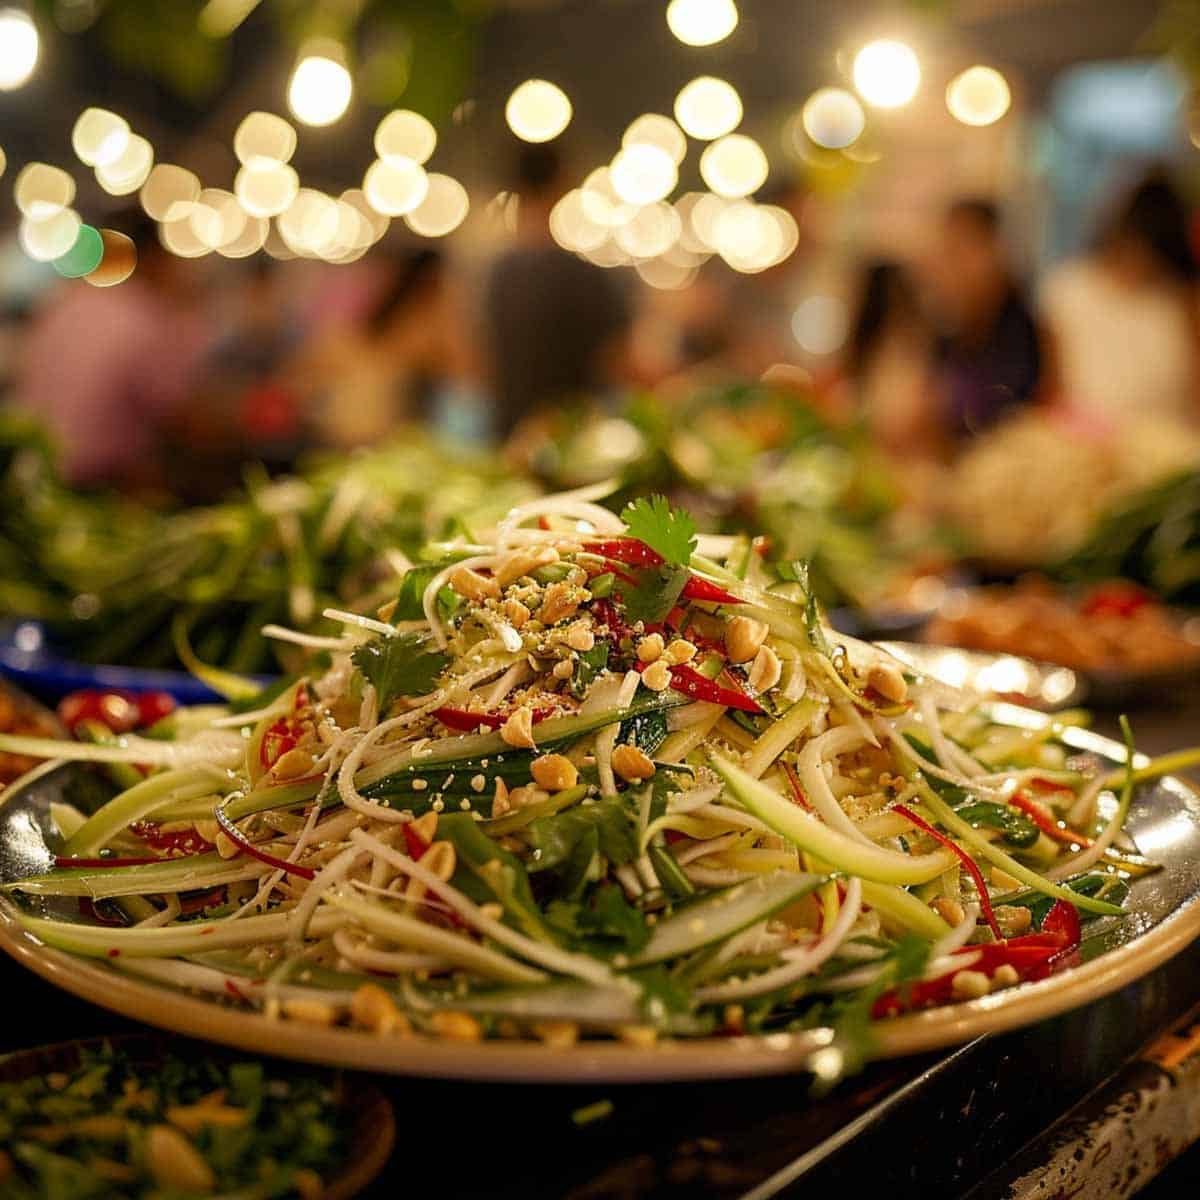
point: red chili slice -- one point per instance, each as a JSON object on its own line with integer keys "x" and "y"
{"x": 967, "y": 861}
{"x": 691, "y": 683}
{"x": 797, "y": 791}
{"x": 416, "y": 844}
{"x": 235, "y": 835}
{"x": 700, "y": 589}
{"x": 1045, "y": 821}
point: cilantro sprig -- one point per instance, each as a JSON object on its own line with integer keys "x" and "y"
{"x": 668, "y": 531}
{"x": 403, "y": 665}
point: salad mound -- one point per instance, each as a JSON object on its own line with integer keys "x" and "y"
{"x": 590, "y": 776}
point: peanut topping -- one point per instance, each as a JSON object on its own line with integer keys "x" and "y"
{"x": 657, "y": 676}
{"x": 632, "y": 763}
{"x": 474, "y": 586}
{"x": 554, "y": 772}
{"x": 743, "y": 636}
{"x": 650, "y": 648}
{"x": 517, "y": 731}
{"x": 524, "y": 562}
{"x": 887, "y": 679}
{"x": 765, "y": 670}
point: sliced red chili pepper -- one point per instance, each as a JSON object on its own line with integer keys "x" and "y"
{"x": 631, "y": 551}
{"x": 281, "y": 737}
{"x": 1045, "y": 821}
{"x": 467, "y": 722}
{"x": 691, "y": 683}
{"x": 797, "y": 791}
{"x": 115, "y": 710}
{"x": 416, "y": 844}
{"x": 701, "y": 589}
{"x": 202, "y": 900}
{"x": 969, "y": 864}
{"x": 243, "y": 843}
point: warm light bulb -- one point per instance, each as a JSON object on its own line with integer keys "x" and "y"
{"x": 734, "y": 166}
{"x": 642, "y": 174}
{"x": 130, "y": 171}
{"x": 653, "y": 129}
{"x": 405, "y": 134}
{"x": 19, "y": 45}
{"x": 100, "y": 137}
{"x": 320, "y": 90}
{"x": 262, "y": 140}
{"x": 50, "y": 238}
{"x": 169, "y": 192}
{"x": 395, "y": 187}
{"x": 886, "y": 73}
{"x": 833, "y": 118}
{"x": 118, "y": 261}
{"x": 652, "y": 230}
{"x": 443, "y": 210}
{"x": 42, "y": 191}
{"x": 979, "y": 96}
{"x": 538, "y": 111}
{"x": 702, "y": 22}
{"x": 708, "y": 108}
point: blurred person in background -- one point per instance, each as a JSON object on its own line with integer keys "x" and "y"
{"x": 890, "y": 378}
{"x": 108, "y": 370}
{"x": 1125, "y": 319}
{"x": 990, "y": 352}
{"x": 555, "y": 327}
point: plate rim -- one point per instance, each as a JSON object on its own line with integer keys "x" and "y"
{"x": 589, "y": 1062}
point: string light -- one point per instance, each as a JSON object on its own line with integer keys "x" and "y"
{"x": 833, "y": 118}
{"x": 310, "y": 222}
{"x": 443, "y": 210}
{"x": 704, "y": 215}
{"x": 396, "y": 187}
{"x": 702, "y": 22}
{"x": 376, "y": 223}
{"x": 652, "y": 230}
{"x": 19, "y": 47}
{"x": 217, "y": 219}
{"x": 886, "y": 73}
{"x": 405, "y": 134}
{"x": 819, "y": 324}
{"x": 249, "y": 241}
{"x": 266, "y": 192}
{"x": 169, "y": 193}
{"x": 734, "y": 166}
{"x": 572, "y": 228}
{"x": 130, "y": 171}
{"x": 666, "y": 275}
{"x": 979, "y": 96}
{"x": 600, "y": 200}
{"x": 99, "y": 137}
{"x": 118, "y": 262}
{"x": 653, "y": 129}
{"x": 41, "y": 191}
{"x": 84, "y": 256}
{"x": 50, "y": 237}
{"x": 263, "y": 140}
{"x": 642, "y": 174}
{"x": 538, "y": 111}
{"x": 708, "y": 108}
{"x": 320, "y": 89}
{"x": 747, "y": 237}
{"x": 3, "y": 160}
{"x": 177, "y": 237}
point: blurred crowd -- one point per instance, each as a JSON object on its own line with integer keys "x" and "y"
{"x": 174, "y": 380}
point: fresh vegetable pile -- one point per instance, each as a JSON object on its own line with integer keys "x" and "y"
{"x": 589, "y": 775}
{"x": 119, "y": 582}
{"x": 114, "y": 1129}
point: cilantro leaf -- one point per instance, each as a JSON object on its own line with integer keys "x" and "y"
{"x": 403, "y": 665}
{"x": 668, "y": 531}
{"x": 602, "y": 923}
{"x": 553, "y": 839}
{"x": 412, "y": 590}
{"x": 653, "y": 592}
{"x": 589, "y": 664}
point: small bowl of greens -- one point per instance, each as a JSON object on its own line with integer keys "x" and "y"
{"x": 141, "y": 1116}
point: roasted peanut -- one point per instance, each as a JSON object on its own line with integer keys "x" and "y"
{"x": 949, "y": 910}
{"x": 554, "y": 772}
{"x": 679, "y": 651}
{"x": 517, "y": 731}
{"x": 657, "y": 676}
{"x": 559, "y": 1034}
{"x": 524, "y": 562}
{"x": 458, "y": 1026}
{"x": 293, "y": 764}
{"x": 1013, "y": 919}
{"x": 373, "y": 1009}
{"x": 631, "y": 763}
{"x": 970, "y": 985}
{"x": 887, "y": 679}
{"x": 500, "y": 803}
{"x": 743, "y": 636}
{"x": 560, "y": 602}
{"x": 765, "y": 670}
{"x": 310, "y": 1012}
{"x": 425, "y": 827}
{"x": 580, "y": 637}
{"x": 516, "y": 613}
{"x": 474, "y": 586}
{"x": 650, "y": 648}
{"x": 1005, "y": 975}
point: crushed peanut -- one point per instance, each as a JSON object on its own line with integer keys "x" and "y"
{"x": 516, "y": 613}
{"x": 632, "y": 763}
{"x": 524, "y": 562}
{"x": 650, "y": 648}
{"x": 474, "y": 586}
{"x": 680, "y": 651}
{"x": 554, "y": 772}
{"x": 888, "y": 680}
{"x": 743, "y": 636}
{"x": 580, "y": 637}
{"x": 765, "y": 670}
{"x": 517, "y": 731}
{"x": 657, "y": 676}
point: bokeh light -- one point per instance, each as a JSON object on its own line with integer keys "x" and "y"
{"x": 118, "y": 263}
{"x": 667, "y": 275}
{"x": 652, "y": 230}
{"x": 263, "y": 140}
{"x": 84, "y": 256}
{"x": 702, "y": 22}
{"x": 396, "y": 187}
{"x": 41, "y": 190}
{"x": 538, "y": 111}
{"x": 99, "y": 137}
{"x": 405, "y": 134}
{"x": 833, "y": 118}
{"x": 3, "y": 160}
{"x": 689, "y": 240}
{"x": 19, "y": 45}
{"x": 310, "y": 222}
{"x": 886, "y": 73}
{"x": 130, "y": 171}
{"x": 249, "y": 241}
{"x": 443, "y": 210}
{"x": 320, "y": 90}
{"x": 747, "y": 237}
{"x": 734, "y": 166}
{"x": 572, "y": 228}
{"x": 642, "y": 174}
{"x": 979, "y": 96}
{"x": 653, "y": 129}
{"x": 217, "y": 219}
{"x": 169, "y": 192}
{"x": 50, "y": 237}
{"x": 708, "y": 108}
{"x": 703, "y": 218}
{"x": 820, "y": 324}
{"x": 601, "y": 202}
{"x": 377, "y": 224}
{"x": 266, "y": 191}
{"x": 177, "y": 236}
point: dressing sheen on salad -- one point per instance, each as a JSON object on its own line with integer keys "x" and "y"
{"x": 591, "y": 776}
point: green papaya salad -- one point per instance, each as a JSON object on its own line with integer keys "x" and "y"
{"x": 589, "y": 776}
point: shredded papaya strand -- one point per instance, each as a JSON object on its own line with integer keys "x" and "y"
{"x": 972, "y": 868}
